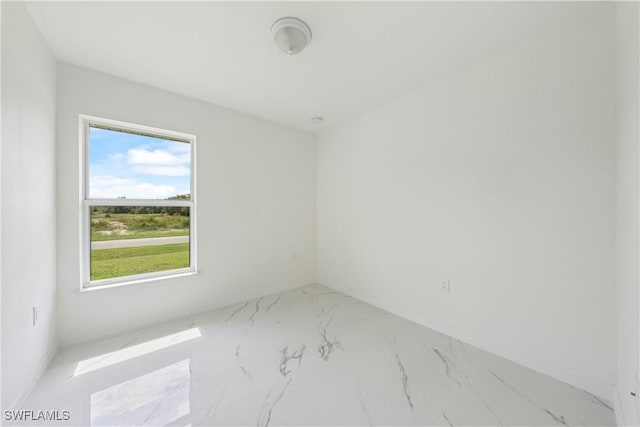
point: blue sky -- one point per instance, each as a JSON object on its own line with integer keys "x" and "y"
{"x": 137, "y": 167}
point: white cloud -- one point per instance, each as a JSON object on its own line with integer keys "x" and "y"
{"x": 179, "y": 147}
{"x": 110, "y": 187}
{"x": 115, "y": 156}
{"x": 142, "y": 156}
{"x": 162, "y": 170}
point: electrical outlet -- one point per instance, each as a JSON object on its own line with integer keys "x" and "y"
{"x": 445, "y": 286}
{"x": 34, "y": 315}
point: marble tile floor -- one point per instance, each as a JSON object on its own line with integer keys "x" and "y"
{"x": 308, "y": 356}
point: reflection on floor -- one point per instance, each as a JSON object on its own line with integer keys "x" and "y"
{"x": 309, "y": 356}
{"x": 157, "y": 398}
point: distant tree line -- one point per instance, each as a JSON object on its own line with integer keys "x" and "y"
{"x": 167, "y": 210}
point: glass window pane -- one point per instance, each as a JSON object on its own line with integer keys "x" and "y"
{"x": 124, "y": 165}
{"x": 130, "y": 240}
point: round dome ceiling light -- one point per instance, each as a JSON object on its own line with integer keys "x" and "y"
{"x": 291, "y": 34}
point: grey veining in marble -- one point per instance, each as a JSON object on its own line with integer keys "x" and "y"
{"x": 308, "y": 356}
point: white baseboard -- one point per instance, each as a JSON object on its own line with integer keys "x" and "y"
{"x": 603, "y": 391}
{"x": 19, "y": 402}
{"x": 114, "y": 329}
{"x": 617, "y": 409}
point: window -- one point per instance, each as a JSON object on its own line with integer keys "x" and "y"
{"x": 138, "y": 202}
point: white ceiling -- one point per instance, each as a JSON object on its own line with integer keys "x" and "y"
{"x": 362, "y": 53}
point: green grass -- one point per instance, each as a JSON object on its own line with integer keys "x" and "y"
{"x": 97, "y": 237}
{"x": 118, "y": 262}
{"x": 133, "y": 222}
{"x": 136, "y": 226}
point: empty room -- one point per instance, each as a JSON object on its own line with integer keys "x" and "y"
{"x": 315, "y": 213}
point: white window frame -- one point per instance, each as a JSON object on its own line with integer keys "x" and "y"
{"x": 86, "y": 203}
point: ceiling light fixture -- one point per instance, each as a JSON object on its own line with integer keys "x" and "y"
{"x": 291, "y": 34}
{"x": 316, "y": 120}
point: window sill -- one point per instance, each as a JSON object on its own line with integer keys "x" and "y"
{"x": 116, "y": 284}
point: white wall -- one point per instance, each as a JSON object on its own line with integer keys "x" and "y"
{"x": 256, "y": 207}
{"x": 628, "y": 212}
{"x": 28, "y": 203}
{"x": 501, "y": 177}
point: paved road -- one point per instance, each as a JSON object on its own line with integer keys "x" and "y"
{"x": 130, "y": 243}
